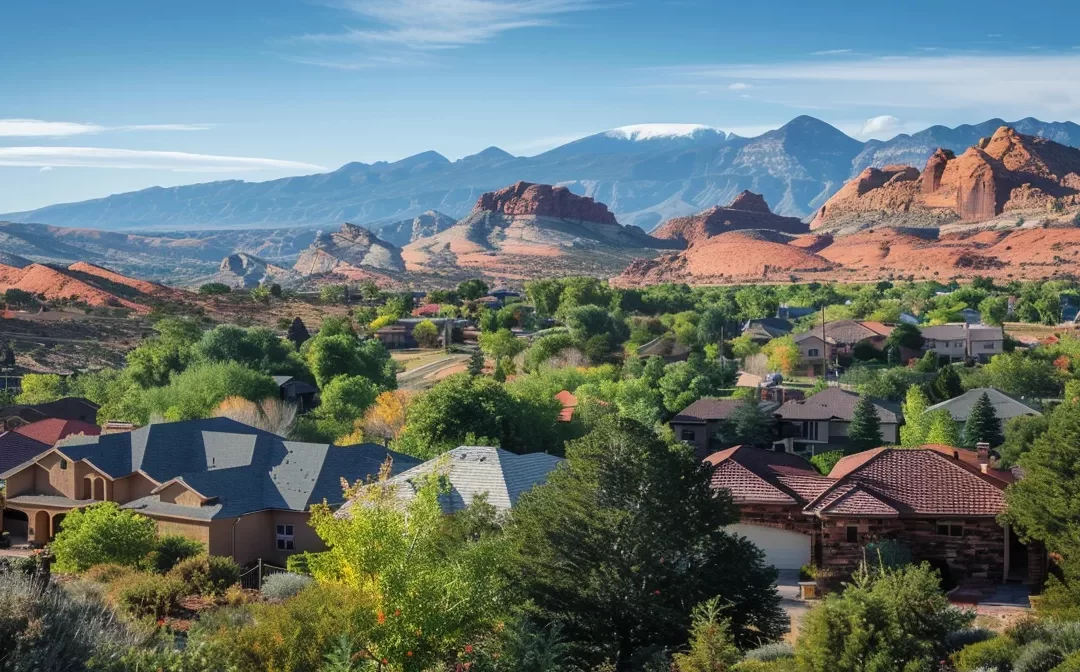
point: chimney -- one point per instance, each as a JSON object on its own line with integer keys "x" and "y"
{"x": 983, "y": 451}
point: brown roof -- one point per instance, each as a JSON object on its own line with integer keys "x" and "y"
{"x": 848, "y": 332}
{"x": 765, "y": 476}
{"x": 833, "y": 403}
{"x": 908, "y": 482}
{"x": 708, "y": 409}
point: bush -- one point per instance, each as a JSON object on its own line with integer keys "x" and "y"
{"x": 1037, "y": 657}
{"x": 284, "y": 585}
{"x": 102, "y": 533}
{"x": 968, "y": 636}
{"x": 1072, "y": 663}
{"x": 106, "y": 573}
{"x": 779, "y": 665}
{"x": 297, "y": 563}
{"x": 170, "y": 550}
{"x": 214, "y": 288}
{"x": 43, "y": 628}
{"x": 824, "y": 462}
{"x": 207, "y": 574}
{"x": 993, "y": 654}
{"x": 151, "y": 595}
{"x": 770, "y": 652}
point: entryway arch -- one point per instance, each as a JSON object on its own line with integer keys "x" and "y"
{"x": 39, "y": 534}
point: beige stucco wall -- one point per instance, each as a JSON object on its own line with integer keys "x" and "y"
{"x": 22, "y": 482}
{"x": 51, "y": 479}
{"x": 256, "y": 536}
{"x": 131, "y": 487}
{"x": 192, "y": 529}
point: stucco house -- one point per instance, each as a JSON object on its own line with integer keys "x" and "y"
{"x": 957, "y": 342}
{"x": 838, "y": 339}
{"x": 947, "y": 515}
{"x": 820, "y": 422}
{"x": 28, "y": 441}
{"x": 241, "y": 491}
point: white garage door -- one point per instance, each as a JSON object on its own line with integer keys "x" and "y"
{"x": 783, "y": 549}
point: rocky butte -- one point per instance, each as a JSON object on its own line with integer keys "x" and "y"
{"x": 747, "y": 211}
{"x": 349, "y": 248}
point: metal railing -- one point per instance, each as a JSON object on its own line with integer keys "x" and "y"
{"x": 253, "y": 578}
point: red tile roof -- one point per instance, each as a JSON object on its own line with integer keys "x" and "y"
{"x": 756, "y": 475}
{"x": 53, "y": 429}
{"x": 569, "y": 405}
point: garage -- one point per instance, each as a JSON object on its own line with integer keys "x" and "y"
{"x": 783, "y": 549}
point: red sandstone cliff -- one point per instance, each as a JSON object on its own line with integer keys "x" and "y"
{"x": 747, "y": 211}
{"x": 544, "y": 200}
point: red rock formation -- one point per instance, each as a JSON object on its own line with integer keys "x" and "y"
{"x": 935, "y": 166}
{"x": 747, "y": 211}
{"x": 544, "y": 200}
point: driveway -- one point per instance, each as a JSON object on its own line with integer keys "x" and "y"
{"x": 787, "y": 585}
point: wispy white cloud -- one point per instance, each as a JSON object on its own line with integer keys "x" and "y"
{"x": 98, "y": 157}
{"x": 1038, "y": 84}
{"x": 739, "y": 86}
{"x": 37, "y": 128}
{"x": 831, "y": 52}
{"x": 427, "y": 25}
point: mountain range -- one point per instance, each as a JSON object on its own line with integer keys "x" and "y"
{"x": 646, "y": 174}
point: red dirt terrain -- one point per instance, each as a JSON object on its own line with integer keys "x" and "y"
{"x": 56, "y": 285}
{"x": 141, "y": 286}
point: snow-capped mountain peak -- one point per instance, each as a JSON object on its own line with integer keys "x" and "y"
{"x": 637, "y": 132}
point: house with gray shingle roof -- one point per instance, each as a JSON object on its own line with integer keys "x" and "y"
{"x": 937, "y": 502}
{"x": 704, "y": 423}
{"x": 473, "y": 471}
{"x": 820, "y": 422}
{"x": 242, "y": 491}
{"x": 1005, "y": 407}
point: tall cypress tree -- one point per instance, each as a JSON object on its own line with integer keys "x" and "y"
{"x": 916, "y": 422}
{"x": 946, "y": 385}
{"x": 298, "y": 332}
{"x": 982, "y": 424}
{"x": 864, "y": 432}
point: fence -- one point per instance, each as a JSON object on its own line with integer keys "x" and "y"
{"x": 253, "y": 578}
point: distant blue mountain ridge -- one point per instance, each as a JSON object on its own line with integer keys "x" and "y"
{"x": 645, "y": 173}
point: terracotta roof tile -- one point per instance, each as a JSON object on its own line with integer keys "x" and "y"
{"x": 53, "y": 429}
{"x": 763, "y": 473}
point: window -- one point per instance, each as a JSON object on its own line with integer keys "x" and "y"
{"x": 285, "y": 537}
{"x": 852, "y": 534}
{"x": 688, "y": 435}
{"x": 988, "y": 346}
{"x": 930, "y": 345}
{"x": 63, "y": 464}
{"x": 950, "y": 529}
{"x": 959, "y": 344}
{"x": 810, "y": 430}
{"x": 813, "y": 352}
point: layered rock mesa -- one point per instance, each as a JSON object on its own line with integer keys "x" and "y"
{"x": 351, "y": 250}
{"x": 245, "y": 271}
{"x": 747, "y": 211}
{"x": 423, "y": 225}
{"x": 78, "y": 284}
{"x": 1007, "y": 171}
{"x": 531, "y": 230}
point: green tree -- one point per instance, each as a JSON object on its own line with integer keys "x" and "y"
{"x": 261, "y": 294}
{"x": 214, "y": 289}
{"x": 472, "y": 289}
{"x": 426, "y": 334}
{"x": 18, "y": 298}
{"x": 544, "y": 295}
{"x": 102, "y": 534}
{"x": 756, "y": 301}
{"x": 749, "y": 425}
{"x": 783, "y": 355}
{"x": 713, "y": 325}
{"x": 627, "y": 533}
{"x": 905, "y": 335}
{"x": 886, "y": 620}
{"x": 343, "y": 402}
{"x": 476, "y": 363}
{"x": 864, "y": 430}
{"x": 1020, "y": 434}
{"x": 941, "y": 429}
{"x": 711, "y": 648}
{"x": 1018, "y": 374}
{"x": 744, "y": 346}
{"x": 502, "y": 344}
{"x": 916, "y": 422}
{"x": 994, "y": 309}
{"x": 982, "y": 424}
{"x": 298, "y": 332}
{"x": 331, "y": 356}
{"x": 257, "y": 348}
{"x": 39, "y": 388}
{"x": 427, "y": 595}
{"x": 197, "y": 391}
{"x": 946, "y": 385}
{"x": 824, "y": 462}
{"x": 333, "y": 295}
{"x": 170, "y": 351}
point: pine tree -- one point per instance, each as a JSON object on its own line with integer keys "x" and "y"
{"x": 942, "y": 429}
{"x": 946, "y": 385}
{"x": 476, "y": 363}
{"x": 711, "y": 648}
{"x": 749, "y": 425}
{"x": 864, "y": 432}
{"x": 982, "y": 424}
{"x": 297, "y": 332}
{"x": 916, "y": 423}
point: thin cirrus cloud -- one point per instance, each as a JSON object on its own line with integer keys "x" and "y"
{"x": 388, "y": 26}
{"x": 37, "y": 128}
{"x": 98, "y": 157}
{"x": 1038, "y": 84}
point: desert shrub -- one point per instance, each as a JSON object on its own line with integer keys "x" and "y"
{"x": 42, "y": 627}
{"x": 1064, "y": 636}
{"x": 170, "y": 550}
{"x": 968, "y": 636}
{"x": 106, "y": 573}
{"x": 770, "y": 652}
{"x": 993, "y": 654}
{"x": 24, "y": 565}
{"x": 207, "y": 574}
{"x": 284, "y": 585}
{"x": 1037, "y": 657}
{"x": 151, "y": 595}
{"x": 102, "y": 533}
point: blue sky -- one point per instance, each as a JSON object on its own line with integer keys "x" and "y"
{"x": 114, "y": 95}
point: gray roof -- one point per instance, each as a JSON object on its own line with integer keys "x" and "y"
{"x": 772, "y": 327}
{"x": 959, "y": 332}
{"x": 709, "y": 409}
{"x": 241, "y": 469}
{"x": 474, "y": 470}
{"x": 834, "y": 403}
{"x": 1005, "y": 407}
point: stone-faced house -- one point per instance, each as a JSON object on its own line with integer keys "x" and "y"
{"x": 241, "y": 491}
{"x": 701, "y": 424}
{"x": 942, "y": 507}
{"x": 820, "y": 422}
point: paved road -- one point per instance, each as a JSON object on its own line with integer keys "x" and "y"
{"x": 423, "y": 377}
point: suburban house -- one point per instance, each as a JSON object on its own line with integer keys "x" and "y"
{"x": 241, "y": 491}
{"x": 820, "y": 422}
{"x": 68, "y": 408}
{"x": 473, "y": 471}
{"x": 667, "y": 348}
{"x": 1005, "y": 407}
{"x": 947, "y": 515}
{"x": 400, "y": 333}
{"x": 839, "y": 338}
{"x": 701, "y": 424}
{"x": 28, "y": 441}
{"x": 794, "y": 312}
{"x": 764, "y": 329}
{"x": 296, "y": 392}
{"x": 957, "y": 342}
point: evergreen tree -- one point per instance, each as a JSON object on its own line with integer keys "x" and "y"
{"x": 941, "y": 429}
{"x": 476, "y": 363}
{"x": 982, "y": 424}
{"x": 916, "y": 423}
{"x": 750, "y": 426}
{"x": 864, "y": 432}
{"x": 946, "y": 385}
{"x": 297, "y": 332}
